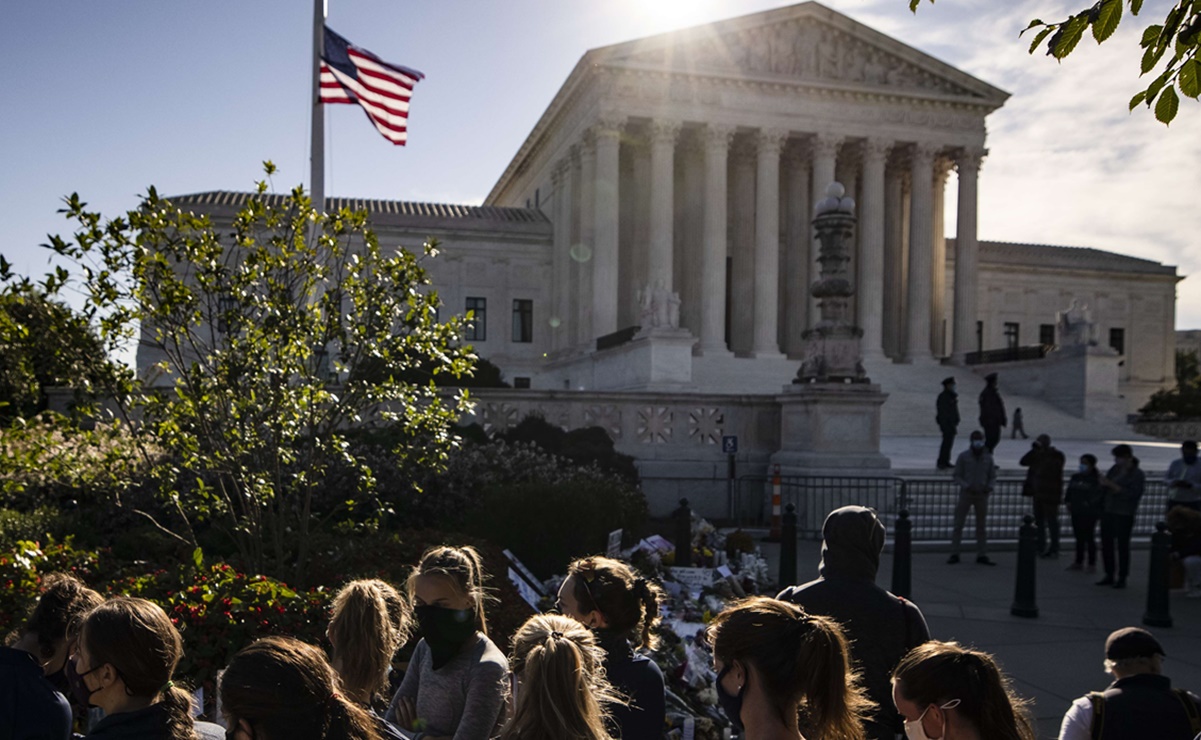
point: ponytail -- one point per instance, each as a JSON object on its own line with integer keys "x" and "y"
{"x": 833, "y": 702}
{"x": 629, "y": 602}
{"x": 179, "y": 713}
{"x": 370, "y": 622}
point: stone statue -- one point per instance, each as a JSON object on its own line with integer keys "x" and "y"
{"x": 1075, "y": 325}
{"x": 646, "y": 311}
{"x": 658, "y": 307}
{"x": 673, "y": 310}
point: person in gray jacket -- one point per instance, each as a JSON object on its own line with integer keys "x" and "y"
{"x": 1184, "y": 478}
{"x": 1123, "y": 485}
{"x": 976, "y": 475}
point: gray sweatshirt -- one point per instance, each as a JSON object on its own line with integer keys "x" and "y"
{"x": 975, "y": 473}
{"x": 463, "y": 699}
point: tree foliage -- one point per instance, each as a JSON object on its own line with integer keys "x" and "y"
{"x": 1183, "y": 401}
{"x": 1176, "y": 39}
{"x": 273, "y": 341}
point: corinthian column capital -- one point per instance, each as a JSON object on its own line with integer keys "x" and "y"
{"x": 970, "y": 158}
{"x": 826, "y": 145}
{"x": 609, "y": 126}
{"x": 875, "y": 149}
{"x": 719, "y": 135}
{"x": 771, "y": 140}
{"x": 664, "y": 131}
{"x": 923, "y": 154}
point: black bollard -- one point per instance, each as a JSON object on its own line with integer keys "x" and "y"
{"x": 902, "y": 556}
{"x": 683, "y": 517}
{"x": 1158, "y": 613}
{"x": 788, "y": 547}
{"x": 1024, "y": 589}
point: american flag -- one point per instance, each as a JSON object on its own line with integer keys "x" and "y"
{"x": 350, "y": 74}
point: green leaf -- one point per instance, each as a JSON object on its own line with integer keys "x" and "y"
{"x": 1149, "y": 60}
{"x": 1150, "y": 34}
{"x": 1038, "y": 39}
{"x": 1188, "y": 79}
{"x": 1073, "y": 30}
{"x": 1168, "y": 105}
{"x": 1135, "y": 6}
{"x": 1108, "y": 17}
{"x": 1138, "y": 98}
{"x": 198, "y": 557}
{"x": 1033, "y": 23}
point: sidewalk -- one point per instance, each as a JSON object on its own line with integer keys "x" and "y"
{"x": 1054, "y": 658}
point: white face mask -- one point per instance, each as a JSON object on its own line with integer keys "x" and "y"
{"x": 914, "y": 729}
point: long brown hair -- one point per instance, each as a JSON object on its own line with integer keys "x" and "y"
{"x": 464, "y": 568}
{"x": 136, "y": 637}
{"x": 286, "y": 690}
{"x": 938, "y": 672}
{"x": 65, "y": 600}
{"x": 369, "y": 622}
{"x": 629, "y": 602}
{"x": 803, "y": 660}
{"x": 563, "y": 693}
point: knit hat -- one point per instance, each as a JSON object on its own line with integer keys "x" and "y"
{"x": 1131, "y": 642}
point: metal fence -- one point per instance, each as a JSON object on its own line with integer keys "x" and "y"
{"x": 930, "y": 501}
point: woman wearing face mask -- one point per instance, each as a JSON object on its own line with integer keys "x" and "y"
{"x": 622, "y": 608}
{"x": 561, "y": 692}
{"x": 125, "y": 659}
{"x": 785, "y": 674}
{"x": 1086, "y": 500}
{"x": 369, "y": 623}
{"x": 948, "y": 692}
{"x": 280, "y": 688}
{"x": 455, "y": 684}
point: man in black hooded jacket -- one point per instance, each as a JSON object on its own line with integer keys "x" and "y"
{"x": 882, "y": 628}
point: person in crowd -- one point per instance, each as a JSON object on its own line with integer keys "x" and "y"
{"x": 947, "y": 417}
{"x": 455, "y": 684}
{"x": 1019, "y": 424}
{"x": 369, "y": 623}
{"x": 1140, "y": 703}
{"x": 1086, "y": 500}
{"x": 992, "y": 412}
{"x": 1044, "y": 485}
{"x": 785, "y": 673}
{"x": 881, "y": 627}
{"x": 976, "y": 475}
{"x": 279, "y": 688}
{"x": 1184, "y": 478}
{"x": 1123, "y": 484}
{"x": 125, "y": 659}
{"x": 1185, "y": 526}
{"x": 31, "y": 704}
{"x": 950, "y": 692}
{"x": 560, "y": 691}
{"x": 622, "y": 609}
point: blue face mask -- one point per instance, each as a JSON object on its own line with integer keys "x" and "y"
{"x": 731, "y": 704}
{"x": 977, "y": 444}
{"x": 1083, "y": 468}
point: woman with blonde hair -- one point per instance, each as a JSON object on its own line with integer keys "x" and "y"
{"x": 369, "y": 622}
{"x": 279, "y": 688}
{"x": 560, "y": 690}
{"x": 455, "y": 684}
{"x": 622, "y": 609}
{"x": 783, "y": 673}
{"x": 950, "y": 692}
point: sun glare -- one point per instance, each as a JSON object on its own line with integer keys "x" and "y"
{"x": 657, "y": 16}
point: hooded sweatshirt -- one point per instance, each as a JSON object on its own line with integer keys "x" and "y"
{"x": 882, "y": 628}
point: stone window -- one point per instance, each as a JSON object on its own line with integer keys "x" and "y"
{"x": 1046, "y": 334}
{"x": 523, "y": 320}
{"x": 1117, "y": 340}
{"x": 477, "y": 326}
{"x": 1013, "y": 338}
{"x": 520, "y": 382}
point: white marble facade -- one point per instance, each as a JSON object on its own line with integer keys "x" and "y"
{"x": 691, "y": 160}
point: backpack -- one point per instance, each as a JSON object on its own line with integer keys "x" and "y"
{"x": 1098, "y": 701}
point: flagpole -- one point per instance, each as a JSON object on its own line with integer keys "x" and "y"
{"x": 317, "y": 149}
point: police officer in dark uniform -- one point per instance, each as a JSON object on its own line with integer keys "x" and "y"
{"x": 947, "y": 417}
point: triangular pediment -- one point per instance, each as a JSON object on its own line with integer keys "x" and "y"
{"x": 802, "y": 43}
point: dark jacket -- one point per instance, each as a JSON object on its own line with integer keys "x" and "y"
{"x": 147, "y": 724}
{"x": 947, "y": 415}
{"x": 1044, "y": 479}
{"x": 975, "y": 472}
{"x": 992, "y": 408}
{"x": 1084, "y": 494}
{"x": 1132, "y": 481}
{"x": 881, "y": 627}
{"x": 30, "y": 708}
{"x": 1145, "y": 706}
{"x": 640, "y": 678}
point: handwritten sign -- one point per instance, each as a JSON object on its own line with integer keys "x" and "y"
{"x": 614, "y": 548}
{"x": 527, "y": 593}
{"x": 658, "y": 542}
{"x": 694, "y": 579}
{"x": 724, "y": 571}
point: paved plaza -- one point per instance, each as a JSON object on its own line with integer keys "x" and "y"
{"x": 915, "y": 456}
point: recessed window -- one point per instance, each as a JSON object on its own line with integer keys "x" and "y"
{"x": 1012, "y": 335}
{"x": 523, "y": 320}
{"x": 520, "y": 382}
{"x": 1117, "y": 340}
{"x": 1046, "y": 334}
{"x": 477, "y": 323}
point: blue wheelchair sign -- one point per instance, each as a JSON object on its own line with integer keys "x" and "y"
{"x": 729, "y": 444}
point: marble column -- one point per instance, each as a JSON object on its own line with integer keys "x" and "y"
{"x": 767, "y": 243}
{"x": 560, "y": 326}
{"x": 714, "y": 242}
{"x": 870, "y": 287}
{"x": 938, "y": 310}
{"x": 742, "y": 247}
{"x": 688, "y": 259}
{"x": 846, "y": 171}
{"x": 663, "y": 135}
{"x": 895, "y": 262}
{"x": 605, "y": 254}
{"x": 796, "y": 248}
{"x": 921, "y": 247}
{"x": 967, "y": 249}
{"x": 825, "y": 156}
{"x": 586, "y": 253}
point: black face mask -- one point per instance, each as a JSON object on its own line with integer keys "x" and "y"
{"x": 59, "y": 681}
{"x": 731, "y": 704}
{"x": 79, "y": 689}
{"x": 1189, "y": 458}
{"x": 445, "y": 631}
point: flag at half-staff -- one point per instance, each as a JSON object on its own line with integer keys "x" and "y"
{"x": 350, "y": 74}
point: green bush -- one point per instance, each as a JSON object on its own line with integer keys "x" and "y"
{"x": 22, "y": 568}
{"x": 548, "y": 524}
{"x": 40, "y": 525}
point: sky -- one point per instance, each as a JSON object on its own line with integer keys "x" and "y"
{"x": 108, "y": 98}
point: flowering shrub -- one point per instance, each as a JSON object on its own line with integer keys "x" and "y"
{"x": 22, "y": 569}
